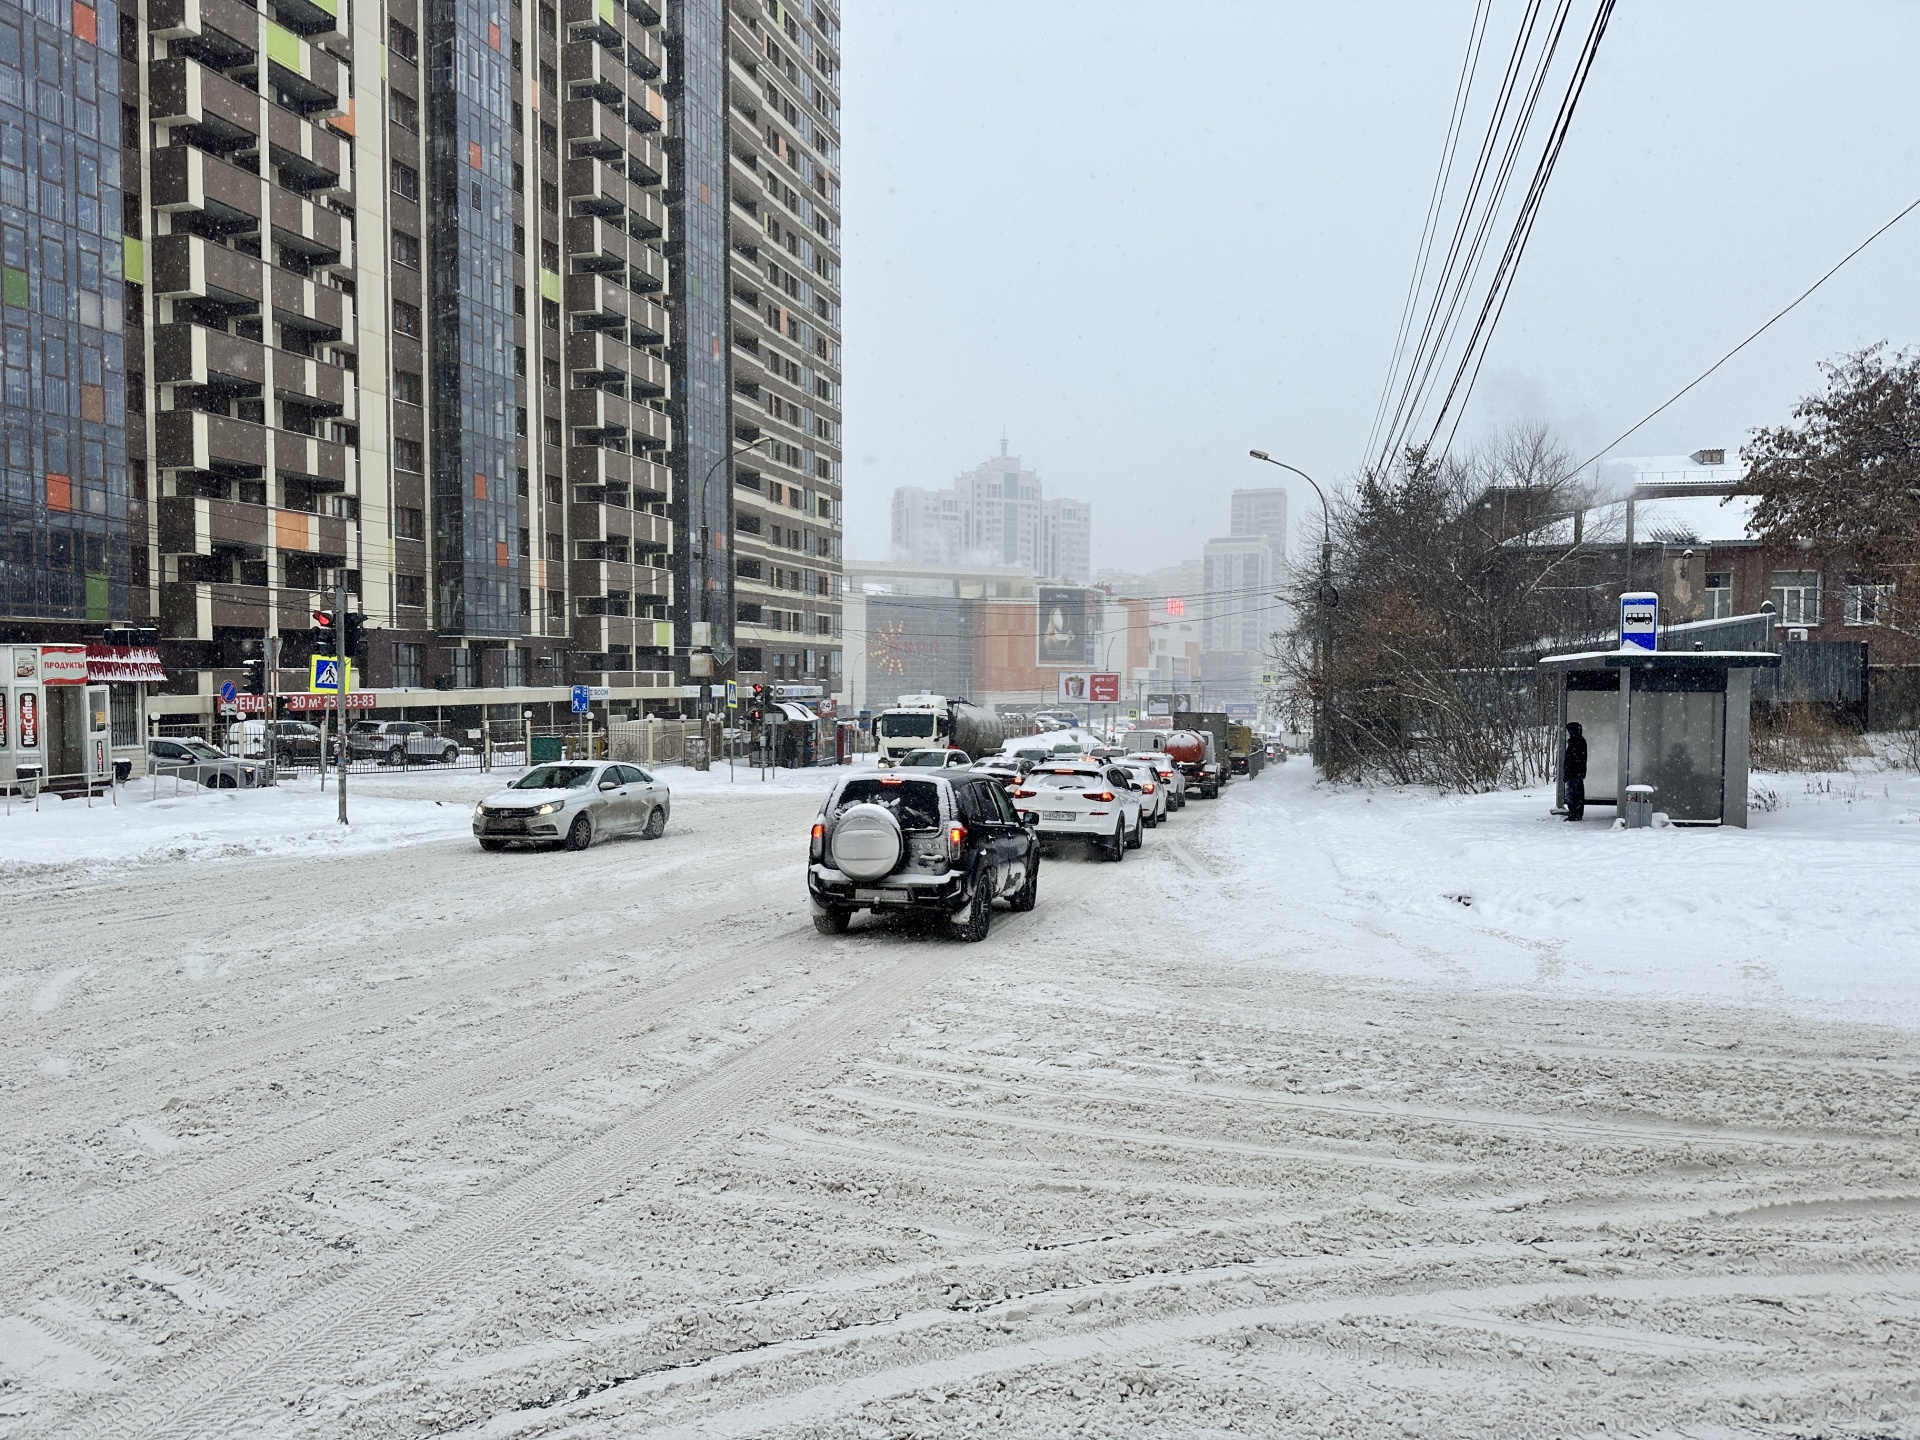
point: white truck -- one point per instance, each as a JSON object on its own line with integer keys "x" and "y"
{"x": 932, "y": 722}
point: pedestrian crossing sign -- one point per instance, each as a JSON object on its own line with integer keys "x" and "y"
{"x": 325, "y": 675}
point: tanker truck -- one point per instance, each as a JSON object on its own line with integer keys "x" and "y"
{"x": 931, "y": 722}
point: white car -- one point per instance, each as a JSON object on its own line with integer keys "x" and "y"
{"x": 1083, "y": 800}
{"x": 1153, "y": 791}
{"x": 938, "y": 758}
{"x": 1173, "y": 779}
{"x": 573, "y": 803}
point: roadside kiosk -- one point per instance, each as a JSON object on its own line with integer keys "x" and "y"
{"x": 54, "y": 727}
{"x": 1676, "y": 720}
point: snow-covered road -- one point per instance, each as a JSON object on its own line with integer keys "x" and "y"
{"x": 1322, "y": 1115}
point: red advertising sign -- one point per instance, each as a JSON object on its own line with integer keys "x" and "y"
{"x": 29, "y": 720}
{"x": 63, "y": 664}
{"x": 3, "y": 719}
{"x": 1103, "y": 688}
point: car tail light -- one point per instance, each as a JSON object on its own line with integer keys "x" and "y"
{"x": 1149, "y": 788}
{"x": 891, "y": 780}
{"x": 1099, "y": 794}
{"x": 818, "y": 845}
{"x": 1166, "y": 774}
{"x": 1025, "y": 794}
{"x": 956, "y": 837}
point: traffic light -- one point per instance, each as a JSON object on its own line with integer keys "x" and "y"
{"x": 757, "y": 704}
{"x": 356, "y": 629}
{"x": 323, "y": 623}
{"x": 256, "y": 673}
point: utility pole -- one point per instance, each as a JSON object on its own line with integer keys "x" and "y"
{"x": 340, "y": 693}
{"x": 1324, "y": 640}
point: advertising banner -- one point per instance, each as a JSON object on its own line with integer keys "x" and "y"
{"x": 63, "y": 664}
{"x": 1063, "y": 634}
{"x": 1074, "y": 686}
{"x": 29, "y": 729}
{"x": 1103, "y": 688}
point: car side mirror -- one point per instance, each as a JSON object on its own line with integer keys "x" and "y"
{"x": 1031, "y": 820}
{"x": 609, "y": 784}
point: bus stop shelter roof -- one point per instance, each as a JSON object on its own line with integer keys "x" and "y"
{"x": 1634, "y": 658}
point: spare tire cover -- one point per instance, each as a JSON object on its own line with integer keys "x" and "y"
{"x": 866, "y": 842}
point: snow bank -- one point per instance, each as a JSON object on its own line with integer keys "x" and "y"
{"x": 1814, "y": 908}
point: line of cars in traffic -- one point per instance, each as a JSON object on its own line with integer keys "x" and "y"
{"x": 294, "y": 742}
{"x": 946, "y": 835}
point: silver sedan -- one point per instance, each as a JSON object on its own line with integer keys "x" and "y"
{"x": 573, "y": 803}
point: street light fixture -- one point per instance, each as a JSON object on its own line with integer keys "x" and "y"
{"x": 1325, "y": 637}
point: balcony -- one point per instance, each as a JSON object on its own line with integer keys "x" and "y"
{"x": 194, "y": 610}
{"x": 188, "y": 354}
{"x": 599, "y": 302}
{"x": 595, "y": 357}
{"x": 595, "y": 127}
{"x": 646, "y": 108}
{"x": 226, "y": 32}
{"x": 310, "y": 159}
{"x": 195, "y": 440}
{"x": 226, "y": 197}
{"x": 321, "y": 463}
{"x": 591, "y": 70}
{"x": 224, "y": 115}
{"x": 646, "y": 56}
{"x": 643, "y": 533}
{"x": 647, "y": 270}
{"x": 305, "y": 305}
{"x": 596, "y": 20}
{"x": 305, "y": 77}
{"x": 646, "y": 162}
{"x": 648, "y": 375}
{"x": 595, "y": 187}
{"x": 194, "y": 525}
{"x": 314, "y": 20}
{"x": 595, "y": 416}
{"x": 312, "y": 383}
{"x": 646, "y": 214}
{"x": 648, "y": 429}
{"x": 190, "y": 266}
{"x": 649, "y": 321}
{"x": 314, "y": 230}
{"x": 597, "y": 243}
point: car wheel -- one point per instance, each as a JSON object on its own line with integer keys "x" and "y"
{"x": 397, "y": 755}
{"x": 1116, "y": 848}
{"x": 493, "y": 845}
{"x": 1028, "y": 895}
{"x": 580, "y": 834}
{"x": 450, "y": 754}
{"x": 1133, "y": 840}
{"x": 831, "y": 919}
{"x": 972, "y": 923}
{"x": 226, "y": 782}
{"x": 656, "y": 825}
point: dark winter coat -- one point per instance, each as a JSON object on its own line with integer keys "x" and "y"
{"x": 1575, "y": 767}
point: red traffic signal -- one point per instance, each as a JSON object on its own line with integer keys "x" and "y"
{"x": 323, "y": 618}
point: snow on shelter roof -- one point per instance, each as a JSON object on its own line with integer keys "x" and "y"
{"x": 1632, "y": 657}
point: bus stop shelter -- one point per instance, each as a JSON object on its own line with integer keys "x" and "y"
{"x": 1673, "y": 719}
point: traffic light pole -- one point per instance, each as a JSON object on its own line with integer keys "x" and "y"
{"x": 340, "y": 628}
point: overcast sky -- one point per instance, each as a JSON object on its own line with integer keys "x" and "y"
{"x": 1143, "y": 238}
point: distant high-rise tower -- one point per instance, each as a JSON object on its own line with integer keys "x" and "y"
{"x": 1067, "y": 552}
{"x": 1002, "y": 517}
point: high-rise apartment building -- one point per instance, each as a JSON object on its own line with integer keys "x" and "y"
{"x": 995, "y": 514}
{"x": 522, "y": 320}
{"x": 1260, "y": 512}
{"x": 783, "y": 252}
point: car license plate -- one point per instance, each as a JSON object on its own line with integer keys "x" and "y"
{"x": 1059, "y": 815}
{"x": 882, "y": 897}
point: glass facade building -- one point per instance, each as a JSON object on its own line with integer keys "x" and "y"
{"x": 63, "y": 504}
{"x": 473, "y": 405}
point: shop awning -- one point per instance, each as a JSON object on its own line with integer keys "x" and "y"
{"x": 799, "y": 714}
{"x": 124, "y": 664}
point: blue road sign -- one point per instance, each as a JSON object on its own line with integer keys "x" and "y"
{"x": 733, "y": 695}
{"x": 324, "y": 674}
{"x": 228, "y": 692}
{"x": 582, "y": 699}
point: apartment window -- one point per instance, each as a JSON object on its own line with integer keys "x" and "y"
{"x": 550, "y": 199}
{"x": 406, "y": 182}
{"x": 520, "y": 420}
{"x": 750, "y": 659}
{"x": 409, "y": 522}
{"x": 1796, "y": 597}
{"x": 406, "y": 250}
{"x": 406, "y": 387}
{"x": 553, "y": 430}
{"x": 520, "y": 300}
{"x": 550, "y": 314}
{"x": 520, "y": 364}
{"x": 550, "y": 372}
{"x": 407, "y": 659}
{"x": 549, "y": 139}
{"x": 519, "y": 239}
{"x": 404, "y": 111}
{"x": 403, "y": 42}
{"x": 520, "y": 488}
{"x": 1719, "y": 594}
{"x": 406, "y": 319}
{"x": 555, "y": 545}
{"x": 550, "y": 255}
{"x": 1868, "y": 604}
{"x": 411, "y": 591}
{"x": 556, "y": 494}
{"x": 408, "y": 455}
{"x": 557, "y": 606}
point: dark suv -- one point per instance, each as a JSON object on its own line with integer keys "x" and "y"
{"x": 947, "y": 843}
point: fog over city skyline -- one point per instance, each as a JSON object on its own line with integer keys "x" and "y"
{"x": 1139, "y": 250}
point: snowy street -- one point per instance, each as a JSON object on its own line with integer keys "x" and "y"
{"x": 1323, "y": 1114}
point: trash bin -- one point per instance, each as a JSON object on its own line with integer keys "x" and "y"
{"x": 1639, "y": 807}
{"x": 544, "y": 750}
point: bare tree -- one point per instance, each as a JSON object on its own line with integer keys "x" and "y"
{"x": 1450, "y": 575}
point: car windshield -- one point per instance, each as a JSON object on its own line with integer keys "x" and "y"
{"x": 555, "y": 777}
{"x": 200, "y": 750}
{"x": 1071, "y": 780}
{"x": 935, "y": 758}
{"x": 914, "y": 803}
{"x": 907, "y": 727}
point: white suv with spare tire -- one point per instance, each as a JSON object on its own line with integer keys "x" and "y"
{"x": 946, "y": 843}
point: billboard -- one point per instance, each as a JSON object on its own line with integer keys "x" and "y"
{"x": 1090, "y": 687}
{"x": 1166, "y": 702}
{"x": 1063, "y": 629}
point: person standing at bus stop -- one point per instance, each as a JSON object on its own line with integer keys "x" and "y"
{"x": 1573, "y": 770}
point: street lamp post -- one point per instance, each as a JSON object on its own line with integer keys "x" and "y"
{"x": 697, "y": 504}
{"x": 1325, "y": 638}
